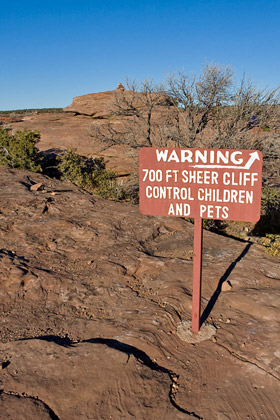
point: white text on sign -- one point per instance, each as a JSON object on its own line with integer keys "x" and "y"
{"x": 215, "y": 184}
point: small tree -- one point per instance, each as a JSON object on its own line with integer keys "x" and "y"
{"x": 248, "y": 117}
{"x": 214, "y": 111}
{"x": 217, "y": 112}
{"x": 196, "y": 100}
{"x": 19, "y": 150}
{"x": 209, "y": 110}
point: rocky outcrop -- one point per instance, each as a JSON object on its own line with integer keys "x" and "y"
{"x": 80, "y": 127}
{"x": 103, "y": 104}
{"x": 120, "y": 86}
{"x": 97, "y": 105}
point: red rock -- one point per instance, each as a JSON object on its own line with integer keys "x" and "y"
{"x": 120, "y": 86}
{"x": 91, "y": 340}
{"x": 37, "y": 187}
{"x": 97, "y": 105}
{"x": 226, "y": 286}
{"x": 102, "y": 104}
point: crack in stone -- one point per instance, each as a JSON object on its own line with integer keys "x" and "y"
{"x": 140, "y": 355}
{"x": 243, "y": 359}
{"x": 52, "y": 414}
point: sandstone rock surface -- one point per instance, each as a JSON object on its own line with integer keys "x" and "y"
{"x": 93, "y": 126}
{"x": 62, "y": 131}
{"x": 91, "y": 296}
{"x": 103, "y": 104}
{"x": 97, "y": 105}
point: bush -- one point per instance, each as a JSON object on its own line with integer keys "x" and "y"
{"x": 91, "y": 175}
{"x": 272, "y": 244}
{"x": 19, "y": 150}
{"x": 75, "y": 170}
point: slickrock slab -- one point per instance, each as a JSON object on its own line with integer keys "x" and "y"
{"x": 91, "y": 297}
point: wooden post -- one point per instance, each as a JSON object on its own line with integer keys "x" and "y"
{"x": 197, "y": 264}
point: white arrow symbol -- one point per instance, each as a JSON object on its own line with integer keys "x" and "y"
{"x": 252, "y": 159}
{"x": 248, "y": 165}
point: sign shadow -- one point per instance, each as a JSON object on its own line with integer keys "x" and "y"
{"x": 218, "y": 290}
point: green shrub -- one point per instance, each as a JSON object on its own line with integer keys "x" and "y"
{"x": 272, "y": 244}
{"x": 75, "y": 170}
{"x": 91, "y": 175}
{"x": 30, "y": 111}
{"x": 19, "y": 150}
{"x": 109, "y": 187}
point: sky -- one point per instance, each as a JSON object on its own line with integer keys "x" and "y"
{"x": 52, "y": 51}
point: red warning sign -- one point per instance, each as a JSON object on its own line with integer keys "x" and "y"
{"x": 201, "y": 183}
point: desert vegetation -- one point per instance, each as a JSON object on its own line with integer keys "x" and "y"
{"x": 19, "y": 151}
{"x": 31, "y": 111}
{"x": 210, "y": 110}
{"x": 90, "y": 174}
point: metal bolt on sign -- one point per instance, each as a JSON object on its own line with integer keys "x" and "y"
{"x": 219, "y": 184}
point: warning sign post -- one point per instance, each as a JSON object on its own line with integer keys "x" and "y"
{"x": 202, "y": 184}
